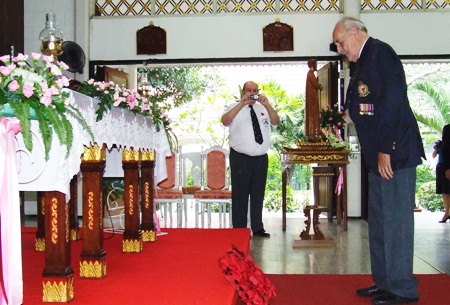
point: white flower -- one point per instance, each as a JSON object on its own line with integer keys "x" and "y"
{"x": 28, "y": 77}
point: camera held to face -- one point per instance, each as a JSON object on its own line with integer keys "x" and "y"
{"x": 254, "y": 97}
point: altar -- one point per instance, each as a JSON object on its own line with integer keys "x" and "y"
{"x": 321, "y": 155}
{"x": 141, "y": 149}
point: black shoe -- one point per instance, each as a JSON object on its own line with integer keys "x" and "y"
{"x": 390, "y": 299}
{"x": 444, "y": 220}
{"x": 261, "y": 233}
{"x": 371, "y": 291}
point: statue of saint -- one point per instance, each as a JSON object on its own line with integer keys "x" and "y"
{"x": 312, "y": 106}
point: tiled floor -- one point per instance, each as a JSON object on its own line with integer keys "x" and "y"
{"x": 349, "y": 253}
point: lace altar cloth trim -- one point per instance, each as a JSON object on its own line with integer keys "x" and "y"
{"x": 119, "y": 126}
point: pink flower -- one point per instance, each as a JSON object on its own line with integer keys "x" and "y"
{"x": 47, "y": 58}
{"x": 44, "y": 86}
{"x": 46, "y": 99}
{"x": 6, "y": 71}
{"x": 36, "y": 56}
{"x": 13, "y": 86}
{"x": 63, "y": 65}
{"x": 28, "y": 90}
{"x": 5, "y": 58}
{"x": 55, "y": 70}
{"x": 20, "y": 57}
{"x": 62, "y": 82}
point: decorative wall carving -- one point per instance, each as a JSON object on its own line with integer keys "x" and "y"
{"x": 278, "y": 36}
{"x": 151, "y": 40}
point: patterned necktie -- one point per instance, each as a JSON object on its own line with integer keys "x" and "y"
{"x": 256, "y": 128}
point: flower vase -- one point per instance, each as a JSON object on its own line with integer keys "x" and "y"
{"x": 7, "y": 111}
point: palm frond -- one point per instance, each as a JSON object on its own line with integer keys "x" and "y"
{"x": 439, "y": 95}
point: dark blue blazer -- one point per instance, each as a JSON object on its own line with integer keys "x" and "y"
{"x": 378, "y": 105}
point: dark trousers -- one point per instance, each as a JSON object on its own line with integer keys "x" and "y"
{"x": 391, "y": 232}
{"x": 248, "y": 183}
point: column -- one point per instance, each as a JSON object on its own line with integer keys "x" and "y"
{"x": 148, "y": 229}
{"x": 58, "y": 273}
{"x": 93, "y": 256}
{"x": 132, "y": 240}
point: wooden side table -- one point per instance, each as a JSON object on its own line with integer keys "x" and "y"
{"x": 322, "y": 155}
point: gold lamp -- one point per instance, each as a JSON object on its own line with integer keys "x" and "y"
{"x": 51, "y": 37}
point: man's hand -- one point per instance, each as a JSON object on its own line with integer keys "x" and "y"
{"x": 384, "y": 166}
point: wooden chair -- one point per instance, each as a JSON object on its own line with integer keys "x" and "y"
{"x": 215, "y": 187}
{"x": 168, "y": 191}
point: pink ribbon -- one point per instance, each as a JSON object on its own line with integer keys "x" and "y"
{"x": 340, "y": 182}
{"x": 337, "y": 132}
{"x": 10, "y": 236}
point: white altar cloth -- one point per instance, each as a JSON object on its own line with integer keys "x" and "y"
{"x": 118, "y": 127}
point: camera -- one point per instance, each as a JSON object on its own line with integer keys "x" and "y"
{"x": 437, "y": 144}
{"x": 254, "y": 97}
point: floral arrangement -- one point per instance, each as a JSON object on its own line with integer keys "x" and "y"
{"x": 112, "y": 95}
{"x": 251, "y": 284}
{"x": 332, "y": 117}
{"x": 35, "y": 91}
{"x": 332, "y": 120}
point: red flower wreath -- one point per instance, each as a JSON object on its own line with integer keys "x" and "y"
{"x": 249, "y": 281}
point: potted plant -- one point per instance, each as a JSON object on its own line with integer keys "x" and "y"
{"x": 35, "y": 91}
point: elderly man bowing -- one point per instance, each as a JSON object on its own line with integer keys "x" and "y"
{"x": 392, "y": 148}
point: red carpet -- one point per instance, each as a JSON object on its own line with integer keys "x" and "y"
{"x": 331, "y": 289}
{"x": 180, "y": 268}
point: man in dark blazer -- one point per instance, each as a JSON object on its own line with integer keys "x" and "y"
{"x": 392, "y": 148}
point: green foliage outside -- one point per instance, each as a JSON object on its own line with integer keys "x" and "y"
{"x": 429, "y": 92}
{"x": 180, "y": 85}
{"x": 425, "y": 173}
{"x": 273, "y": 196}
{"x": 272, "y": 201}
{"x": 428, "y": 199}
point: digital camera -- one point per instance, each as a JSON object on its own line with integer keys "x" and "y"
{"x": 254, "y": 97}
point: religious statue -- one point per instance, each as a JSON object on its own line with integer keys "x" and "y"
{"x": 312, "y": 106}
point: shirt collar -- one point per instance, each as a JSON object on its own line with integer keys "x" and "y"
{"x": 362, "y": 47}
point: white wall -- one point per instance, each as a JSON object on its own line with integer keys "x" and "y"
{"x": 217, "y": 36}
{"x": 412, "y": 33}
{"x": 235, "y": 35}
{"x": 34, "y": 21}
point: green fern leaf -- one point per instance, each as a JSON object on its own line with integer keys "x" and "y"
{"x": 76, "y": 114}
{"x": 46, "y": 132}
{"x": 57, "y": 125}
{"x": 22, "y": 112}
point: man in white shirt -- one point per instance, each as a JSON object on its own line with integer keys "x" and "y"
{"x": 248, "y": 155}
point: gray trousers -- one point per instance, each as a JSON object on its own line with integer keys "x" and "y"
{"x": 391, "y": 232}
